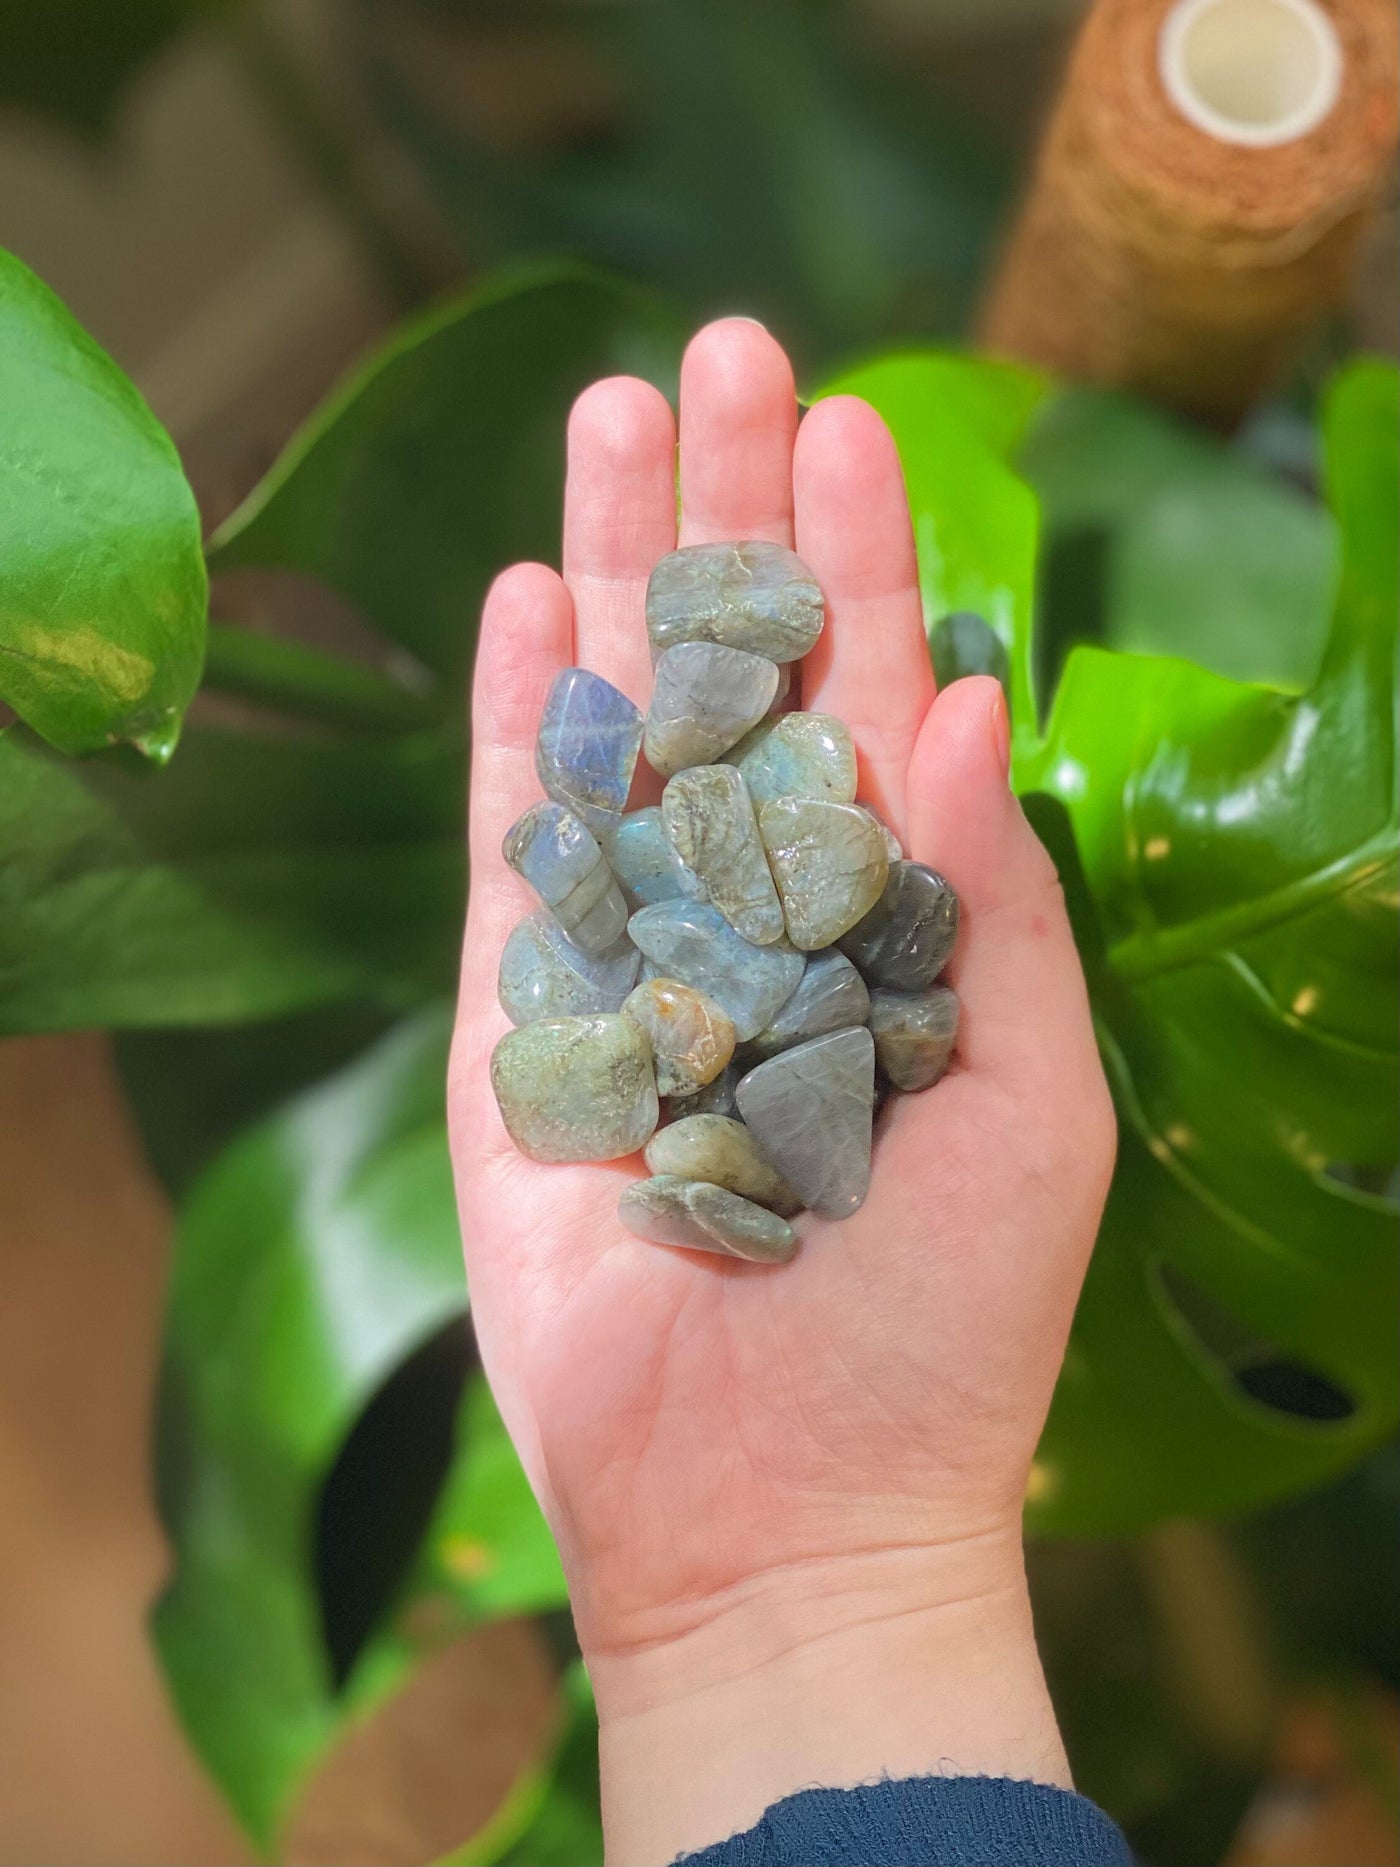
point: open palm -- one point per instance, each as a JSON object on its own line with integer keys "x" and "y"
{"x": 687, "y": 1421}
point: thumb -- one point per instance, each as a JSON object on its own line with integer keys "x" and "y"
{"x": 1025, "y": 1009}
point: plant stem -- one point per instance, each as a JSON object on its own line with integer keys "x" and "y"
{"x": 309, "y": 683}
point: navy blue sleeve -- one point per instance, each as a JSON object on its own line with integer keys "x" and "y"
{"x": 926, "y": 1821}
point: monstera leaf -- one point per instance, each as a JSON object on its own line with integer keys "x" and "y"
{"x": 102, "y": 602}
{"x": 1231, "y": 853}
{"x": 316, "y": 1259}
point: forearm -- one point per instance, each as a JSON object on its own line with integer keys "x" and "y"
{"x": 902, "y": 1663}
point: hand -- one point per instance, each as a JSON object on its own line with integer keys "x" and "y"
{"x": 788, "y": 1500}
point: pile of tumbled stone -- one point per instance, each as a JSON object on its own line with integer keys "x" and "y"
{"x": 787, "y": 953}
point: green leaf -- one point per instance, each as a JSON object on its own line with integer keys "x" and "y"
{"x": 441, "y": 459}
{"x": 1229, "y": 852}
{"x": 1159, "y": 540}
{"x": 256, "y": 876}
{"x": 313, "y": 1260}
{"x": 103, "y": 594}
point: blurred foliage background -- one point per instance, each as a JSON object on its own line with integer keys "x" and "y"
{"x": 361, "y": 1625}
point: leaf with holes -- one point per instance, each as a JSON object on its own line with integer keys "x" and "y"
{"x": 289, "y": 1315}
{"x": 1233, "y": 849}
{"x": 103, "y": 598}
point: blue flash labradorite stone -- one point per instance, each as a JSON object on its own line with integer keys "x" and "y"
{"x": 797, "y": 755}
{"x": 646, "y": 865}
{"x": 693, "y": 942}
{"x": 544, "y": 975}
{"x": 559, "y": 857}
{"x": 712, "y": 828}
{"x": 830, "y": 863}
{"x": 721, "y": 1150}
{"x": 587, "y": 748}
{"x": 704, "y": 698}
{"x": 575, "y": 1088}
{"x": 811, "y": 1111}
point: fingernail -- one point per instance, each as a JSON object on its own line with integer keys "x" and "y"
{"x": 1001, "y": 733}
{"x": 742, "y": 317}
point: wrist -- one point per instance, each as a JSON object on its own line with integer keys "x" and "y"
{"x": 904, "y": 1662}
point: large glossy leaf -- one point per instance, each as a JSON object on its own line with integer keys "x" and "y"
{"x": 315, "y": 1259}
{"x": 441, "y": 459}
{"x": 102, "y": 586}
{"x": 257, "y": 875}
{"x": 1233, "y": 851}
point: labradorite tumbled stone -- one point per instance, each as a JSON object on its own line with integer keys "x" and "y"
{"x": 670, "y": 1211}
{"x": 705, "y": 697}
{"x": 830, "y": 864}
{"x": 545, "y": 975}
{"x": 558, "y": 855}
{"x": 712, "y": 828}
{"x": 811, "y": 1110}
{"x": 691, "y": 1038}
{"x": 906, "y": 939}
{"x": 693, "y": 942}
{"x": 831, "y": 996}
{"x": 797, "y": 755}
{"x": 647, "y": 868}
{"x": 716, "y": 1098}
{"x": 575, "y": 1088}
{"x": 722, "y": 1150}
{"x": 590, "y": 735}
{"x": 914, "y": 1034}
{"x": 757, "y": 596}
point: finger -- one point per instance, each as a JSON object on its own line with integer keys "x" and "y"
{"x": 738, "y": 419}
{"x": 526, "y": 637}
{"x": 619, "y": 518}
{"x": 1025, "y": 1010}
{"x": 870, "y": 665}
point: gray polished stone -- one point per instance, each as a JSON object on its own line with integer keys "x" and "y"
{"x": 705, "y": 697}
{"x": 755, "y": 595}
{"x": 590, "y": 735}
{"x": 691, "y": 1038}
{"x": 559, "y": 857}
{"x": 914, "y": 1034}
{"x": 830, "y": 864}
{"x": 712, "y": 828}
{"x": 692, "y": 941}
{"x": 575, "y": 1088}
{"x": 719, "y": 1149}
{"x": 716, "y": 1098}
{"x": 797, "y": 755}
{"x": 544, "y": 975}
{"x": 810, "y": 1110}
{"x": 703, "y": 1217}
{"x": 906, "y": 939}
{"x": 831, "y": 996}
{"x": 647, "y": 868}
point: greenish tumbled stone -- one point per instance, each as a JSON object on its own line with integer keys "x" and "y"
{"x": 907, "y": 938}
{"x": 691, "y": 1038}
{"x": 797, "y": 755}
{"x": 831, "y": 996}
{"x": 703, "y": 1217}
{"x": 545, "y": 975}
{"x": 756, "y": 595}
{"x": 647, "y": 868}
{"x": 712, "y": 828}
{"x": 914, "y": 1034}
{"x": 559, "y": 857}
{"x": 830, "y": 864}
{"x": 705, "y": 697}
{"x": 575, "y": 1088}
{"x": 692, "y": 941}
{"x": 719, "y": 1149}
